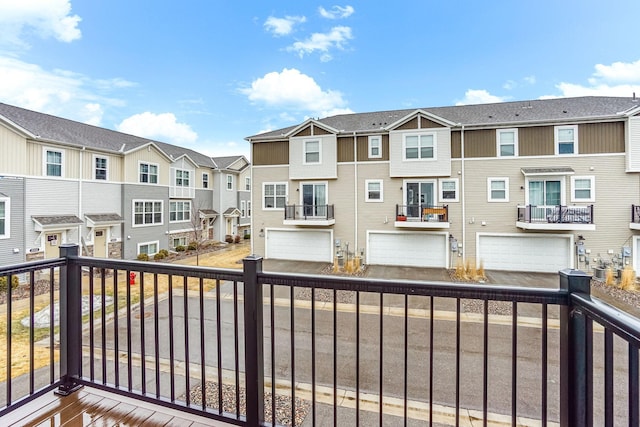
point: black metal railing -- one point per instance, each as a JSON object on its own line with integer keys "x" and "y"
{"x": 282, "y": 348}
{"x": 422, "y": 213}
{"x": 556, "y": 214}
{"x": 309, "y": 212}
{"x": 635, "y": 214}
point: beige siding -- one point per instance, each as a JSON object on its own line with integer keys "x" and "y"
{"x": 536, "y": 141}
{"x": 439, "y": 167}
{"x": 13, "y": 152}
{"x": 456, "y": 144}
{"x": 480, "y": 143}
{"x": 411, "y": 124}
{"x": 146, "y": 155}
{"x": 363, "y": 149}
{"x": 35, "y": 156}
{"x": 328, "y": 158}
{"x": 114, "y": 166}
{"x": 633, "y": 144}
{"x": 263, "y": 219}
{"x": 307, "y": 131}
{"x": 270, "y": 153}
{"x": 345, "y": 148}
{"x": 596, "y": 138}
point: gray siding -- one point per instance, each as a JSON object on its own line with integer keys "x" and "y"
{"x": 146, "y": 233}
{"x": 13, "y": 188}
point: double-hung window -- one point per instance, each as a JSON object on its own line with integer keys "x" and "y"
{"x": 180, "y": 211}
{"x": 147, "y": 212}
{"x": 274, "y": 195}
{"x": 243, "y": 209}
{"x": 148, "y": 173}
{"x": 507, "y": 142}
{"x": 229, "y": 182}
{"x": 4, "y": 217}
{"x": 419, "y": 147}
{"x": 149, "y": 248}
{"x": 182, "y": 178}
{"x": 100, "y": 171}
{"x": 449, "y": 190}
{"x": 582, "y": 189}
{"x": 375, "y": 147}
{"x": 498, "y": 189}
{"x": 373, "y": 190}
{"x": 312, "y": 152}
{"x": 53, "y": 162}
{"x": 247, "y": 183}
{"x": 205, "y": 180}
{"x": 566, "y": 139}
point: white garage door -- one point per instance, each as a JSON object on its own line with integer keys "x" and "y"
{"x": 543, "y": 253}
{"x": 407, "y": 249}
{"x": 299, "y": 245}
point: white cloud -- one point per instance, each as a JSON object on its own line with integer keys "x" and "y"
{"x": 479, "y": 96}
{"x": 283, "y": 26}
{"x": 617, "y": 79}
{"x": 336, "y": 12}
{"x": 51, "y": 18}
{"x": 323, "y": 42}
{"x": 293, "y": 90}
{"x": 531, "y": 80}
{"x": 163, "y": 127}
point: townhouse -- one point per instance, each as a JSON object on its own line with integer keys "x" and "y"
{"x": 116, "y": 195}
{"x": 536, "y": 185}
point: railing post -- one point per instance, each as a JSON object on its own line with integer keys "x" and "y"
{"x": 70, "y": 321}
{"x": 253, "y": 340}
{"x": 576, "y": 377}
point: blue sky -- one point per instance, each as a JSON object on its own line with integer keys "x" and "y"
{"x": 206, "y": 74}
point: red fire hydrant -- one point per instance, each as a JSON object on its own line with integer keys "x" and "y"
{"x": 132, "y": 278}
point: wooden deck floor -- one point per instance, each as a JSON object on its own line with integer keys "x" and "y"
{"x": 92, "y": 407}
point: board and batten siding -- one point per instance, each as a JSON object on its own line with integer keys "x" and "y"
{"x": 599, "y": 138}
{"x": 633, "y": 144}
{"x": 114, "y": 166}
{"x": 270, "y": 153}
{"x": 148, "y": 154}
{"x": 13, "y": 152}
{"x": 70, "y": 161}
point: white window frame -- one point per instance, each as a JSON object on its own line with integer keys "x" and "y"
{"x": 420, "y": 136}
{"x": 545, "y": 178}
{"x": 149, "y": 174}
{"x": 186, "y": 212}
{"x": 182, "y": 181}
{"x": 556, "y": 132}
{"x": 45, "y": 162}
{"x": 441, "y": 190}
{"x": 155, "y": 242}
{"x": 248, "y": 209}
{"x": 7, "y": 217}
{"x": 182, "y": 241}
{"x": 106, "y": 168}
{"x": 229, "y": 182}
{"x": 243, "y": 209}
{"x": 592, "y": 189}
{"x": 367, "y": 190}
{"x": 499, "y": 143}
{"x": 373, "y": 141}
{"x": 151, "y": 224}
{"x": 205, "y": 180}
{"x": 275, "y": 197}
{"x": 490, "y": 197}
{"x": 305, "y": 152}
{"x": 247, "y": 183}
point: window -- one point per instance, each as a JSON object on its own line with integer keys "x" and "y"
{"x": 148, "y": 173}
{"x": 149, "y": 248}
{"x": 182, "y": 178}
{"x": 229, "y": 182}
{"x": 507, "y": 140}
{"x": 53, "y": 162}
{"x": 312, "y": 152}
{"x": 247, "y": 183}
{"x": 179, "y": 211}
{"x": 373, "y": 190}
{"x": 375, "y": 147}
{"x": 449, "y": 190}
{"x": 314, "y": 199}
{"x": 249, "y": 209}
{"x": 179, "y": 241}
{"x": 583, "y": 189}
{"x": 100, "y": 170}
{"x": 419, "y": 147}
{"x": 205, "y": 180}
{"x": 243, "y": 209}
{"x": 545, "y": 192}
{"x": 566, "y": 139}
{"x": 4, "y": 218}
{"x": 275, "y": 195}
{"x": 498, "y": 189}
{"x": 147, "y": 212}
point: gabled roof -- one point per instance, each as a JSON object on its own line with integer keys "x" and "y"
{"x": 231, "y": 163}
{"x": 480, "y": 115}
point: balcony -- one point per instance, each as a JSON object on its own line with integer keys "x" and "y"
{"x": 332, "y": 350}
{"x": 635, "y": 218}
{"x": 422, "y": 216}
{"x": 556, "y": 218}
{"x": 309, "y": 215}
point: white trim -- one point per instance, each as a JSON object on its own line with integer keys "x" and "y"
{"x": 304, "y": 151}
{"x": 7, "y": 218}
{"x": 419, "y": 135}
{"x": 429, "y": 233}
{"x": 499, "y": 144}
{"x": 140, "y": 163}
{"x": 440, "y": 190}
{"x": 206, "y": 174}
{"x": 560, "y": 177}
{"x": 44, "y": 161}
{"x": 326, "y": 189}
{"x": 247, "y": 183}
{"x": 419, "y": 181}
{"x": 506, "y": 189}
{"x": 184, "y": 210}
{"x": 94, "y": 167}
{"x": 226, "y": 182}
{"x": 286, "y": 195}
{"x": 366, "y": 190}
{"x": 377, "y": 138}
{"x": 243, "y": 209}
{"x": 556, "y": 129}
{"x": 156, "y": 242}
{"x": 133, "y": 213}
{"x": 592, "y": 188}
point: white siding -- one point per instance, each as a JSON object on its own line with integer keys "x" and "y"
{"x": 441, "y": 166}
{"x": 327, "y": 168}
{"x": 633, "y": 145}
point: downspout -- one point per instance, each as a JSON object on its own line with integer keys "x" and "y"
{"x": 80, "y": 200}
{"x": 355, "y": 191}
{"x": 462, "y": 195}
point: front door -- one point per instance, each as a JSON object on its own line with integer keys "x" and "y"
{"x": 419, "y": 195}
{"x": 52, "y": 245}
{"x": 314, "y": 200}
{"x": 100, "y": 243}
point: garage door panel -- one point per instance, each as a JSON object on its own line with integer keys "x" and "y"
{"x": 526, "y": 253}
{"x": 407, "y": 249}
{"x": 299, "y": 245}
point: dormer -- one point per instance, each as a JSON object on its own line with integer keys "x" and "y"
{"x": 313, "y": 151}
{"x": 182, "y": 178}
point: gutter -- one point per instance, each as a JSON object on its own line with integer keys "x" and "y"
{"x": 462, "y": 193}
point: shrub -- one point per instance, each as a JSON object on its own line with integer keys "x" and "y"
{"x": 247, "y": 236}
{"x": 628, "y": 279}
{"x": 164, "y": 252}
{"x": 228, "y": 238}
{"x": 14, "y": 283}
{"x": 192, "y": 246}
{"x": 143, "y": 257}
{"x": 180, "y": 248}
{"x": 159, "y": 256}
{"x": 236, "y": 239}
{"x": 610, "y": 279}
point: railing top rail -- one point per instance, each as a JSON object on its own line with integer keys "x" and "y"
{"x": 621, "y": 323}
{"x": 437, "y": 289}
{"x": 31, "y": 266}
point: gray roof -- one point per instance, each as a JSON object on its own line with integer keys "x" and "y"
{"x": 57, "y": 220}
{"x": 69, "y": 132}
{"x": 499, "y": 114}
{"x": 224, "y": 162}
{"x": 104, "y": 218}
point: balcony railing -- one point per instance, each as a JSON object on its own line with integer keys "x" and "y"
{"x": 426, "y": 214}
{"x": 556, "y": 217}
{"x": 328, "y": 348}
{"x": 309, "y": 214}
